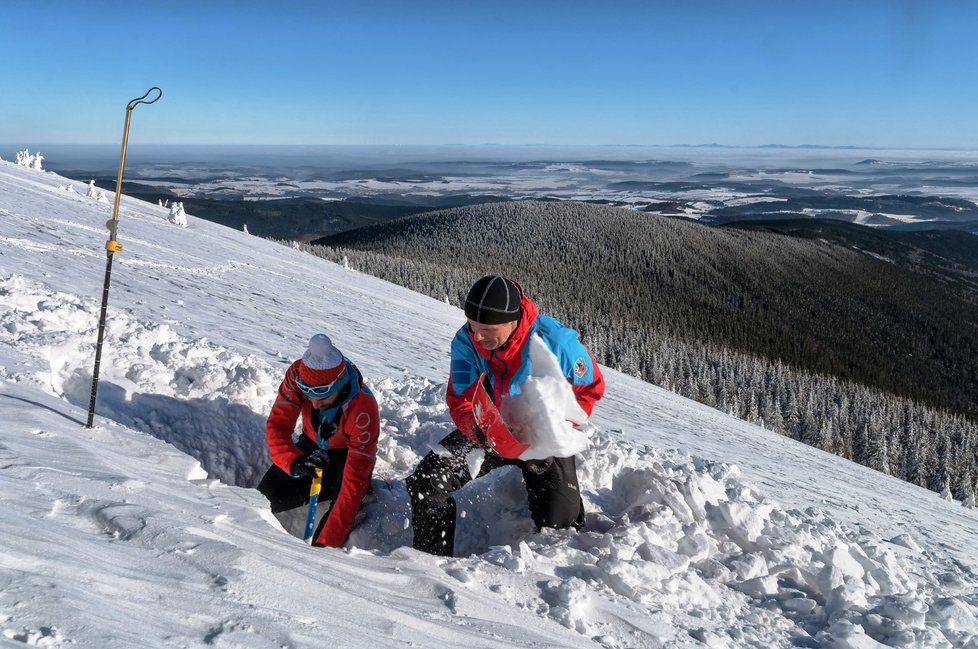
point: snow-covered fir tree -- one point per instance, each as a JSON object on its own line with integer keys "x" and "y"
{"x": 177, "y": 215}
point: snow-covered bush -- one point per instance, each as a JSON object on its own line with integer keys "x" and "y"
{"x": 946, "y": 492}
{"x": 177, "y": 215}
{"x": 96, "y": 193}
{"x": 26, "y": 159}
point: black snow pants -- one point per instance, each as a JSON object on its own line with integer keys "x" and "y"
{"x": 552, "y": 492}
{"x": 286, "y": 492}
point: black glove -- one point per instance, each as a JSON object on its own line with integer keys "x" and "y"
{"x": 539, "y": 467}
{"x": 308, "y": 463}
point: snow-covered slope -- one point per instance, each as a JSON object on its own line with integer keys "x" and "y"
{"x": 702, "y": 529}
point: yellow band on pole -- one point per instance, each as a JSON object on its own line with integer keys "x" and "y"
{"x": 317, "y": 483}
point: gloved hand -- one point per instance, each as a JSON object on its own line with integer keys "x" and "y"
{"x": 308, "y": 463}
{"x": 539, "y": 467}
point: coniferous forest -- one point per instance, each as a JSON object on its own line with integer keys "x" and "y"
{"x": 847, "y": 350}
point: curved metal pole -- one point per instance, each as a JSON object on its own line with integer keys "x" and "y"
{"x": 112, "y": 246}
{"x": 122, "y": 163}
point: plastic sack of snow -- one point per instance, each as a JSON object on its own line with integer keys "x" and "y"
{"x": 545, "y": 411}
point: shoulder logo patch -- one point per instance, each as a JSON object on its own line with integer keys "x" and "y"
{"x": 579, "y": 367}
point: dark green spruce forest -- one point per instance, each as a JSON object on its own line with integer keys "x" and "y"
{"x": 857, "y": 342}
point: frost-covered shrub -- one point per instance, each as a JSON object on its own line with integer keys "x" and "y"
{"x": 26, "y": 159}
{"x": 177, "y": 215}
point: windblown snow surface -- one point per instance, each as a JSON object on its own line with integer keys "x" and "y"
{"x": 145, "y": 530}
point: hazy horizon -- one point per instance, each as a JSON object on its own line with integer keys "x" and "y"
{"x": 926, "y": 188}
{"x": 67, "y": 155}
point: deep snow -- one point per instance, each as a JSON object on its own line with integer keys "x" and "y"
{"x": 144, "y": 531}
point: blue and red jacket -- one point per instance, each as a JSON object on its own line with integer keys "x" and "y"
{"x": 357, "y": 430}
{"x": 508, "y": 366}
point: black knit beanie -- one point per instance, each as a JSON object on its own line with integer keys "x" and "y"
{"x": 493, "y": 300}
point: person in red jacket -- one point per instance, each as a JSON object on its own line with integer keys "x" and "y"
{"x": 340, "y": 427}
{"x": 495, "y": 341}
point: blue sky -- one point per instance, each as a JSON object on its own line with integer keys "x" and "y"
{"x": 885, "y": 73}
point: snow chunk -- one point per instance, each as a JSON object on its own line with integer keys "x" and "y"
{"x": 906, "y": 541}
{"x": 545, "y": 412}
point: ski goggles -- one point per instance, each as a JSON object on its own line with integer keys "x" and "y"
{"x": 322, "y": 391}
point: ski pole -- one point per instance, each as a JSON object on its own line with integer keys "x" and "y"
{"x": 317, "y": 483}
{"x": 112, "y": 246}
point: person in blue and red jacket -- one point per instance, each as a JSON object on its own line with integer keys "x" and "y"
{"x": 340, "y": 427}
{"x": 495, "y": 340}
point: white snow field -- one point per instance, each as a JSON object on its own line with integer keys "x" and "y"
{"x": 145, "y": 531}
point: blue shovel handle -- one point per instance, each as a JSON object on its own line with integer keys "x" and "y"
{"x": 317, "y": 484}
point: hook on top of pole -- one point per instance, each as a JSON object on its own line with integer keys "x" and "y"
{"x": 142, "y": 100}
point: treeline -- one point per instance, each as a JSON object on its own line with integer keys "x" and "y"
{"x": 898, "y": 436}
{"x": 820, "y": 343}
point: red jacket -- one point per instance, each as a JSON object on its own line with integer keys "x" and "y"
{"x": 508, "y": 366}
{"x": 357, "y": 431}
